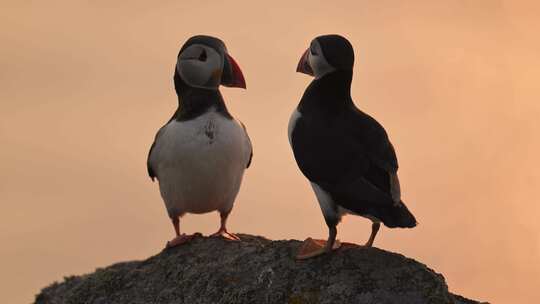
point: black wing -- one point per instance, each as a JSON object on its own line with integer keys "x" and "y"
{"x": 151, "y": 171}
{"x": 373, "y": 189}
{"x": 346, "y": 151}
{"x": 372, "y": 136}
{"x": 250, "y": 145}
{"x": 377, "y": 151}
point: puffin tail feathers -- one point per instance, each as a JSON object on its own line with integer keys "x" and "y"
{"x": 399, "y": 216}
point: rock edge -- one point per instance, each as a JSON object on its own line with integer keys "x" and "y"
{"x": 257, "y": 270}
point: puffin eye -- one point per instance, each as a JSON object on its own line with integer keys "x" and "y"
{"x": 202, "y": 56}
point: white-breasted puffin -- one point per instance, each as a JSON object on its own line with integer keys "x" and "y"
{"x": 343, "y": 152}
{"x": 200, "y": 155}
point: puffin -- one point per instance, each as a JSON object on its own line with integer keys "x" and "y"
{"x": 344, "y": 153}
{"x": 199, "y": 156}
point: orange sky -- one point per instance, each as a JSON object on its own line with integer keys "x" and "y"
{"x": 85, "y": 86}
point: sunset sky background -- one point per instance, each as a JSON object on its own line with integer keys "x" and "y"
{"x": 85, "y": 85}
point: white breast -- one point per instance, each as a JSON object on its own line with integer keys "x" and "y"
{"x": 200, "y": 163}
{"x": 292, "y": 123}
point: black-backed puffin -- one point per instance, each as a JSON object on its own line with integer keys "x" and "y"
{"x": 344, "y": 153}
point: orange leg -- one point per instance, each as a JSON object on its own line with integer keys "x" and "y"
{"x": 180, "y": 238}
{"x": 312, "y": 248}
{"x": 222, "y": 232}
{"x": 374, "y": 229}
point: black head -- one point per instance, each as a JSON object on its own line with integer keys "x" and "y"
{"x": 326, "y": 54}
{"x": 204, "y": 62}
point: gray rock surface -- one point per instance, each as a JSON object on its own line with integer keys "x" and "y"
{"x": 257, "y": 270}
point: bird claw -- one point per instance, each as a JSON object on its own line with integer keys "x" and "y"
{"x": 226, "y": 235}
{"x": 312, "y": 248}
{"x": 179, "y": 240}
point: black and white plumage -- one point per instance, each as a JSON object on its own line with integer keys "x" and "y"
{"x": 200, "y": 155}
{"x": 344, "y": 152}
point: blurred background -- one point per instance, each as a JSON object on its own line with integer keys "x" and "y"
{"x": 85, "y": 85}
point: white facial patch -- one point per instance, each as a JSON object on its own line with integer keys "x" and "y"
{"x": 200, "y": 66}
{"x": 318, "y": 63}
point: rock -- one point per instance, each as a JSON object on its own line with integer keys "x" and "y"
{"x": 257, "y": 270}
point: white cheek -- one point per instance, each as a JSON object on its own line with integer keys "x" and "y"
{"x": 319, "y": 65}
{"x": 194, "y": 73}
{"x": 201, "y": 74}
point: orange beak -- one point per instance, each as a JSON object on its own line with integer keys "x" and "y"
{"x": 232, "y": 74}
{"x": 303, "y": 64}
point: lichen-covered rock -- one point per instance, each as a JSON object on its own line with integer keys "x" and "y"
{"x": 257, "y": 270}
